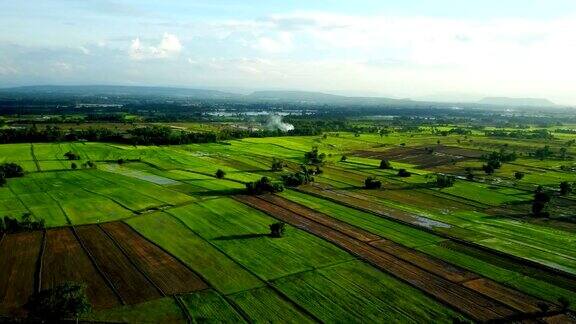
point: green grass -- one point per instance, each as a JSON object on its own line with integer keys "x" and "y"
{"x": 263, "y": 305}
{"x": 378, "y": 225}
{"x": 164, "y": 310}
{"x": 352, "y": 291}
{"x": 218, "y": 269}
{"x": 242, "y": 233}
{"x": 208, "y": 306}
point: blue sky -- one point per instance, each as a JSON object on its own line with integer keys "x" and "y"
{"x": 412, "y": 48}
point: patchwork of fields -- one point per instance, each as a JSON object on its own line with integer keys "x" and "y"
{"x": 158, "y": 237}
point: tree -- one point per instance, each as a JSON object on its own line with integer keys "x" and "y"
{"x": 565, "y": 188}
{"x": 277, "y": 164}
{"x": 313, "y": 157}
{"x": 385, "y": 165}
{"x": 120, "y": 161}
{"x": 2, "y": 179}
{"x": 264, "y": 185}
{"x": 372, "y": 183}
{"x": 343, "y": 158}
{"x": 541, "y": 200}
{"x": 518, "y": 175}
{"x": 488, "y": 169}
{"x": 71, "y": 156}
{"x": 11, "y": 170}
{"x": 277, "y": 229}
{"x": 404, "y": 173}
{"x": 65, "y": 301}
{"x": 444, "y": 181}
{"x": 220, "y": 174}
{"x": 74, "y": 166}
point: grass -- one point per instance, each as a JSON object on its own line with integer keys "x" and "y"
{"x": 210, "y": 306}
{"x": 242, "y": 233}
{"x": 218, "y": 269}
{"x": 156, "y": 311}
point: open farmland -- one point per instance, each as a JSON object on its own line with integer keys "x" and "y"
{"x": 155, "y": 235}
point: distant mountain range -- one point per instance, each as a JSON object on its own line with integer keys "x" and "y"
{"x": 520, "y": 102}
{"x": 268, "y": 96}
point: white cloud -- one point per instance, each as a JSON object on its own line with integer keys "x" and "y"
{"x": 283, "y": 42}
{"x": 168, "y": 47}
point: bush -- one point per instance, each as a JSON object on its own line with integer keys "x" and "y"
{"x": 73, "y": 166}
{"x": 277, "y": 229}
{"x": 220, "y": 174}
{"x": 343, "y": 158}
{"x": 313, "y": 157}
{"x": 65, "y": 301}
{"x": 445, "y": 181}
{"x": 264, "y": 185}
{"x": 71, "y": 156}
{"x": 13, "y": 225}
{"x": 565, "y": 188}
{"x": 404, "y": 173}
{"x": 385, "y": 165}
{"x": 11, "y": 170}
{"x": 541, "y": 200}
{"x": 488, "y": 169}
{"x": 518, "y": 175}
{"x": 372, "y": 183}
{"x": 297, "y": 179}
{"x": 277, "y": 165}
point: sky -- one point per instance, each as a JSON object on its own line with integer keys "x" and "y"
{"x": 420, "y": 49}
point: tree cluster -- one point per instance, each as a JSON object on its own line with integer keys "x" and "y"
{"x": 314, "y": 157}
{"x": 372, "y": 183}
{"x": 13, "y": 225}
{"x": 264, "y": 185}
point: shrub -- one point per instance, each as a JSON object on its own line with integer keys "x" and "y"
{"x": 220, "y": 174}
{"x": 541, "y": 200}
{"x": 385, "y": 165}
{"x": 13, "y": 225}
{"x": 264, "y": 185}
{"x": 404, "y": 173}
{"x": 518, "y": 175}
{"x": 313, "y": 157}
{"x": 488, "y": 169}
{"x": 277, "y": 229}
{"x": 372, "y": 183}
{"x": 297, "y": 179}
{"x": 11, "y": 170}
{"x": 73, "y": 166}
{"x": 65, "y": 301}
{"x": 444, "y": 181}
{"x": 71, "y": 156}
{"x": 343, "y": 158}
{"x": 565, "y": 188}
{"x": 277, "y": 165}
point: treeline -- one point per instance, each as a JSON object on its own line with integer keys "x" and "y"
{"x": 522, "y": 134}
{"x": 145, "y": 135}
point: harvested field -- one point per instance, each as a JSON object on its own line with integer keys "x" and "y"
{"x": 132, "y": 286}
{"x": 65, "y": 260}
{"x": 424, "y": 157}
{"x": 505, "y": 295}
{"x": 169, "y": 274}
{"x": 18, "y": 263}
{"x": 470, "y": 302}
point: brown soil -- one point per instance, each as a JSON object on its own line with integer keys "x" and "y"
{"x": 65, "y": 260}
{"x": 18, "y": 260}
{"x": 132, "y": 286}
{"x": 169, "y": 274}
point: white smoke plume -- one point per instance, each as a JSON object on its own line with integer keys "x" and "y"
{"x": 275, "y": 122}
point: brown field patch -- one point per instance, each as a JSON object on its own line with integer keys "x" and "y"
{"x": 505, "y": 295}
{"x": 65, "y": 260}
{"x": 169, "y": 274}
{"x": 130, "y": 283}
{"x": 424, "y": 156}
{"x": 18, "y": 260}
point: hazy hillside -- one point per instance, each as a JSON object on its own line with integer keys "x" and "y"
{"x": 505, "y": 101}
{"x": 110, "y": 90}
